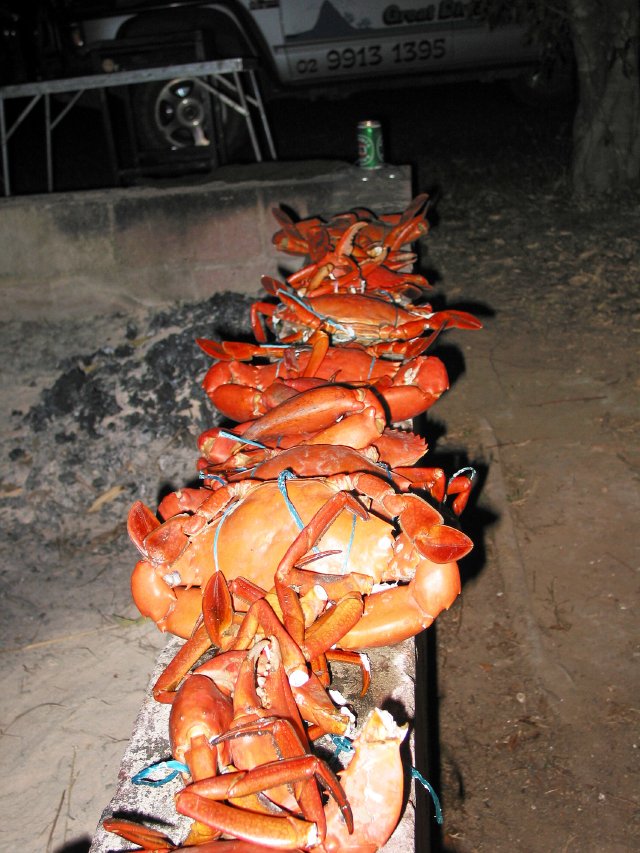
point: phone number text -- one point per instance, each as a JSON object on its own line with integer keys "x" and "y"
{"x": 370, "y": 55}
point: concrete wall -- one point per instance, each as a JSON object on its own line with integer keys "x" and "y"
{"x": 81, "y": 254}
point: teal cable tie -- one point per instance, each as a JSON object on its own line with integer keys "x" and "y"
{"x": 415, "y": 774}
{"x": 323, "y": 317}
{"x": 175, "y": 767}
{"x": 388, "y": 471}
{"x": 226, "y": 434}
{"x": 283, "y": 476}
{"x": 342, "y": 744}
{"x": 347, "y": 553}
{"x": 227, "y": 511}
{"x": 204, "y": 476}
{"x": 371, "y": 366}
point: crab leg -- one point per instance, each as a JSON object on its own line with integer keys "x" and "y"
{"x": 319, "y": 342}
{"x": 199, "y": 713}
{"x": 239, "y": 350}
{"x": 164, "y": 690}
{"x": 311, "y": 698}
{"x": 320, "y": 667}
{"x": 196, "y": 801}
{"x": 411, "y": 225}
{"x": 419, "y": 521}
{"x": 137, "y": 833}
{"x": 277, "y": 833}
{"x": 328, "y": 629}
{"x": 158, "y": 842}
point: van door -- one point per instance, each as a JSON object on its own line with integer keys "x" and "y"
{"x": 341, "y": 39}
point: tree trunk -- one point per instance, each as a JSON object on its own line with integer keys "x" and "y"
{"x": 606, "y": 133}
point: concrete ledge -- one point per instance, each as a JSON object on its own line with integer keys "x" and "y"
{"x": 83, "y": 254}
{"x": 392, "y": 688}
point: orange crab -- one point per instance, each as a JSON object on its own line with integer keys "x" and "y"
{"x": 242, "y": 388}
{"x": 180, "y": 554}
{"x": 373, "y": 784}
{"x": 253, "y": 776}
{"x": 379, "y": 324}
{"x": 315, "y": 237}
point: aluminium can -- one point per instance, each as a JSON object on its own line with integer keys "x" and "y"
{"x": 370, "y": 149}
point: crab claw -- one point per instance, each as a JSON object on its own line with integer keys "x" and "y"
{"x": 140, "y": 523}
{"x": 374, "y": 785}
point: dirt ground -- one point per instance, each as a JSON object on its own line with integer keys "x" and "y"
{"x": 537, "y": 664}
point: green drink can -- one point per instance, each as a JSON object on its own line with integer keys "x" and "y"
{"x": 370, "y": 149}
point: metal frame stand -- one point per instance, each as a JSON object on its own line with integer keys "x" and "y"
{"x": 224, "y": 79}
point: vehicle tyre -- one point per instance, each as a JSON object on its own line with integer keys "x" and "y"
{"x": 178, "y": 115}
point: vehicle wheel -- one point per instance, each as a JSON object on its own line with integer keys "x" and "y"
{"x": 179, "y": 114}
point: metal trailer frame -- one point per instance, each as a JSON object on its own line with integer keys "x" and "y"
{"x": 224, "y": 79}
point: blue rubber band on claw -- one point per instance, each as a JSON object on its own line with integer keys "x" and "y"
{"x": 175, "y": 767}
{"x": 436, "y": 802}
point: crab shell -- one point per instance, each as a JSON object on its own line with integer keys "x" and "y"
{"x": 253, "y": 537}
{"x": 245, "y": 530}
{"x": 353, "y": 317}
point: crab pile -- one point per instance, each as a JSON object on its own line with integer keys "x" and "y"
{"x": 315, "y": 535}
